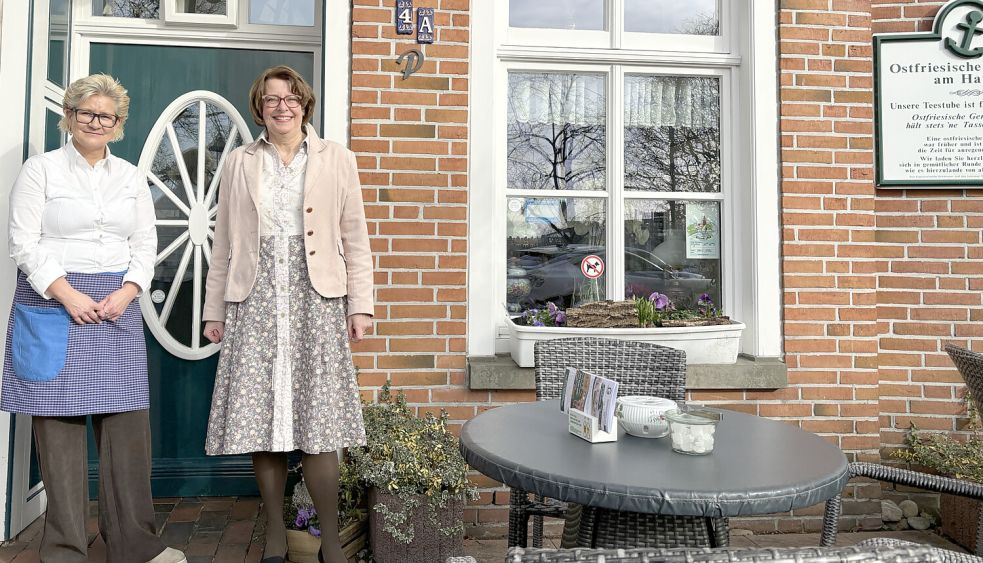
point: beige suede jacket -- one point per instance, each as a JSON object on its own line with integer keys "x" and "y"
{"x": 336, "y": 239}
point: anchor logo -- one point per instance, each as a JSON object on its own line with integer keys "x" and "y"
{"x": 971, "y": 28}
{"x": 414, "y": 61}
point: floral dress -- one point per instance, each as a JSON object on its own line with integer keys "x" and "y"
{"x": 285, "y": 378}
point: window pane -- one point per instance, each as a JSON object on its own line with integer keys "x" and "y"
{"x": 672, "y": 247}
{"x": 277, "y": 12}
{"x": 693, "y": 17}
{"x": 672, "y": 133}
{"x": 557, "y": 14}
{"x": 548, "y": 238}
{"x": 57, "y": 41}
{"x": 202, "y": 7}
{"x": 556, "y": 131}
{"x": 146, "y": 9}
{"x": 53, "y": 137}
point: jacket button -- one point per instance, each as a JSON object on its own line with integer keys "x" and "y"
{"x": 311, "y": 253}
{"x": 310, "y": 209}
{"x": 309, "y": 233}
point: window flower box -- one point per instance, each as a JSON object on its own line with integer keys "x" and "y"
{"x": 713, "y": 344}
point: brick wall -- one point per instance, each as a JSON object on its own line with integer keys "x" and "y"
{"x": 411, "y": 138}
{"x": 874, "y": 281}
{"x": 828, "y": 239}
{"x": 928, "y": 282}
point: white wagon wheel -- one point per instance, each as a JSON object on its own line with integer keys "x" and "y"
{"x": 182, "y": 161}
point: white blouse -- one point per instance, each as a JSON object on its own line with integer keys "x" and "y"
{"x": 281, "y": 217}
{"x": 68, "y": 216}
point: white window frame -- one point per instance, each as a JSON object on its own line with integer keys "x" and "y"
{"x": 229, "y": 18}
{"x": 173, "y": 22}
{"x": 750, "y": 206}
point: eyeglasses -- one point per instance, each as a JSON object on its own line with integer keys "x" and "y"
{"x": 85, "y": 116}
{"x": 274, "y": 101}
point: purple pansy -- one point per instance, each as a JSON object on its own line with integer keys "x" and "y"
{"x": 659, "y": 300}
{"x": 705, "y": 299}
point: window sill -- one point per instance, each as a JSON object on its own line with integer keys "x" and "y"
{"x": 500, "y": 373}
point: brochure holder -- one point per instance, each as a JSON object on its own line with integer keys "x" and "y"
{"x": 588, "y": 427}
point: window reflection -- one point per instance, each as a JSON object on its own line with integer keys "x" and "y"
{"x": 202, "y": 7}
{"x": 693, "y": 17}
{"x": 145, "y": 9}
{"x": 282, "y": 12}
{"x": 57, "y": 41}
{"x": 672, "y": 247}
{"x": 557, "y": 14}
{"x": 548, "y": 238}
{"x": 556, "y": 131}
{"x": 672, "y": 133}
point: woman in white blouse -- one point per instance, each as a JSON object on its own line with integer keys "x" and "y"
{"x": 82, "y": 235}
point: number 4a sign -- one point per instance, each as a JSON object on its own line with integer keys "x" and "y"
{"x": 404, "y": 17}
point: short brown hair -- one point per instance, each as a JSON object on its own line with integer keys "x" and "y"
{"x": 298, "y": 86}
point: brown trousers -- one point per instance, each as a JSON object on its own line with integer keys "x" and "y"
{"x": 126, "y": 510}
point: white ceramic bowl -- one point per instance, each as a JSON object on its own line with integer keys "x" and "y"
{"x": 644, "y": 416}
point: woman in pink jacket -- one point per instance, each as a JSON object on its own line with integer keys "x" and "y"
{"x": 290, "y": 285}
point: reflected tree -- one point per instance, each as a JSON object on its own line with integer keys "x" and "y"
{"x": 562, "y": 146}
{"x": 682, "y": 155}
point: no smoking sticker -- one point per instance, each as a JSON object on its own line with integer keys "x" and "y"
{"x": 592, "y": 266}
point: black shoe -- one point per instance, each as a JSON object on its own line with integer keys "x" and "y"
{"x": 274, "y": 559}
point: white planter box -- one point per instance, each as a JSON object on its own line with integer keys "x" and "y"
{"x": 716, "y": 344}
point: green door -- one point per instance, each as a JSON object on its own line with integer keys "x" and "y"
{"x": 182, "y": 365}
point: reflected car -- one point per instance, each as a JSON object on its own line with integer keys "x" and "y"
{"x": 554, "y": 274}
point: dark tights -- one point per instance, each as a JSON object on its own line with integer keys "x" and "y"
{"x": 321, "y": 477}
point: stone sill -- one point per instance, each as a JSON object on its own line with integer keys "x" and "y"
{"x": 500, "y": 372}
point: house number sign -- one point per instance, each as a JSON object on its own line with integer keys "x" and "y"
{"x": 424, "y": 28}
{"x": 928, "y": 101}
{"x": 404, "y": 17}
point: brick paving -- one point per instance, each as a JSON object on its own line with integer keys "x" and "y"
{"x": 230, "y": 530}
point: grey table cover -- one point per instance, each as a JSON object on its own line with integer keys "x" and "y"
{"x": 758, "y": 466}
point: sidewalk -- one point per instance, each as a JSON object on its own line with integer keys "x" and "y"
{"x": 230, "y": 530}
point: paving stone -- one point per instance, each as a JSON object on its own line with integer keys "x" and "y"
{"x": 224, "y": 505}
{"x": 177, "y": 533}
{"x": 185, "y": 513}
{"x": 245, "y": 509}
{"x": 238, "y": 533}
{"x": 213, "y": 520}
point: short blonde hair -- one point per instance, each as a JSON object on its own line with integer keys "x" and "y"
{"x": 298, "y": 86}
{"x": 96, "y": 85}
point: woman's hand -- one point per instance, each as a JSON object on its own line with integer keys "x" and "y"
{"x": 79, "y": 306}
{"x": 357, "y": 325}
{"x": 115, "y": 304}
{"x": 214, "y": 331}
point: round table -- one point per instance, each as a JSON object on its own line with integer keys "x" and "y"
{"x": 758, "y": 466}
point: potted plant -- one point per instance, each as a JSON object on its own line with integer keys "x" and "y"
{"x": 952, "y": 457}
{"x": 417, "y": 482}
{"x": 702, "y": 331}
{"x": 303, "y": 522}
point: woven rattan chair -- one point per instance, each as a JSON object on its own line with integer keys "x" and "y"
{"x": 899, "y": 476}
{"x": 886, "y": 552}
{"x": 640, "y": 368}
{"x": 970, "y": 366}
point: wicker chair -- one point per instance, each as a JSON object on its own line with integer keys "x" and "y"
{"x": 890, "y": 551}
{"x": 899, "y": 476}
{"x": 640, "y": 368}
{"x": 970, "y": 366}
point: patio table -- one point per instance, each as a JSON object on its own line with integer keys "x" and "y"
{"x": 758, "y": 466}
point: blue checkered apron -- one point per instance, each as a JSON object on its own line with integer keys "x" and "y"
{"x": 105, "y": 366}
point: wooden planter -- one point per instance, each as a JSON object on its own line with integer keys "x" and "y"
{"x": 428, "y": 544}
{"x": 303, "y": 547}
{"x": 960, "y": 517}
